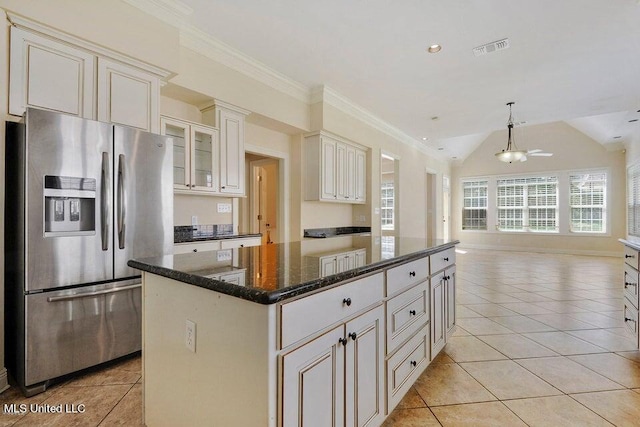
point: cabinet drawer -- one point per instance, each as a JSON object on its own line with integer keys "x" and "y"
{"x": 404, "y": 367}
{"x": 406, "y": 313}
{"x": 185, "y": 248}
{"x": 240, "y": 243}
{"x": 405, "y": 275}
{"x": 631, "y": 284}
{"x": 631, "y": 318}
{"x": 306, "y": 316}
{"x": 442, "y": 259}
{"x": 631, "y": 257}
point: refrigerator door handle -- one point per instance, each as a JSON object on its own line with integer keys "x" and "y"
{"x": 122, "y": 201}
{"x": 105, "y": 208}
{"x": 93, "y": 294}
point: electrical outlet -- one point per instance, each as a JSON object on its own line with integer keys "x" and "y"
{"x": 224, "y": 207}
{"x": 194, "y": 219}
{"x": 224, "y": 255}
{"x": 190, "y": 336}
{"x": 363, "y": 218}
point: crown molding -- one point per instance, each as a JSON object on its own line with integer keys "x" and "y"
{"x": 169, "y": 11}
{"x": 347, "y": 106}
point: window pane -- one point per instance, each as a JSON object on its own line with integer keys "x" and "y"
{"x": 588, "y": 202}
{"x": 474, "y": 211}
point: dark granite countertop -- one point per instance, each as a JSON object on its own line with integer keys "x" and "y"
{"x": 195, "y": 239}
{"x": 280, "y": 271}
{"x": 203, "y": 233}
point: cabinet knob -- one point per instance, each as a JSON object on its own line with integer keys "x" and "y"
{"x": 195, "y": 250}
{"x": 413, "y": 363}
{"x": 347, "y": 301}
{"x": 629, "y": 256}
{"x": 242, "y": 246}
{"x": 186, "y": 185}
{"x": 223, "y": 187}
{"x": 412, "y": 273}
{"x": 446, "y": 259}
{"x": 343, "y": 341}
{"x": 412, "y": 312}
{"x": 353, "y": 336}
{"x": 193, "y": 185}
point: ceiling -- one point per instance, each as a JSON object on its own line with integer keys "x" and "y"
{"x": 571, "y": 60}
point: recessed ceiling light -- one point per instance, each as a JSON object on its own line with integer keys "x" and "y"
{"x": 424, "y": 138}
{"x": 633, "y": 120}
{"x": 434, "y": 48}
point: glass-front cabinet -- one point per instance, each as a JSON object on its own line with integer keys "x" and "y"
{"x": 195, "y": 151}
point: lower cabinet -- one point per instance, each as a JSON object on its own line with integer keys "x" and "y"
{"x": 443, "y": 308}
{"x": 343, "y": 373}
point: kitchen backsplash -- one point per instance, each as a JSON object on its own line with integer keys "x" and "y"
{"x": 183, "y": 233}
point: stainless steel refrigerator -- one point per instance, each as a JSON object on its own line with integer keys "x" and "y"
{"x": 82, "y": 198}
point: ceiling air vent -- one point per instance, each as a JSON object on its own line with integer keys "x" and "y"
{"x": 491, "y": 47}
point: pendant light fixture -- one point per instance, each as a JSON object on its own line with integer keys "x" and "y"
{"x": 511, "y": 153}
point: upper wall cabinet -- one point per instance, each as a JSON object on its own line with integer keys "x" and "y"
{"x": 55, "y": 71}
{"x": 230, "y": 121}
{"x": 127, "y": 96}
{"x": 195, "y": 156}
{"x": 45, "y": 73}
{"x": 335, "y": 169}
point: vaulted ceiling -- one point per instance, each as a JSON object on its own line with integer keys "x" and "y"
{"x": 571, "y": 60}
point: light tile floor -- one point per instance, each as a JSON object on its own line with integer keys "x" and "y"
{"x": 540, "y": 342}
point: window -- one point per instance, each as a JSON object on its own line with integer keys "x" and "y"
{"x": 474, "y": 211}
{"x": 387, "y": 200}
{"x": 588, "y": 197}
{"x": 528, "y": 204}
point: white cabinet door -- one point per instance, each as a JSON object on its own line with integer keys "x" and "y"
{"x": 313, "y": 383}
{"x": 328, "y": 178}
{"x": 240, "y": 243}
{"x": 438, "y": 316}
{"x": 361, "y": 258}
{"x": 451, "y": 300}
{"x": 231, "y": 126}
{"x": 341, "y": 171}
{"x": 128, "y": 96}
{"x": 47, "y": 74}
{"x": 181, "y": 134}
{"x": 350, "y": 171}
{"x": 364, "y": 384}
{"x": 328, "y": 266}
{"x": 361, "y": 176}
{"x": 204, "y": 158}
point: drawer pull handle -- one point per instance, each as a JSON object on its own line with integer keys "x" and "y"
{"x": 446, "y": 259}
{"x": 242, "y": 246}
{"x": 413, "y": 363}
{"x": 627, "y": 284}
{"x": 628, "y": 319}
{"x": 629, "y": 256}
{"x": 347, "y": 301}
{"x": 412, "y": 312}
{"x": 195, "y": 250}
{"x": 353, "y": 336}
{"x": 412, "y": 273}
{"x": 343, "y": 341}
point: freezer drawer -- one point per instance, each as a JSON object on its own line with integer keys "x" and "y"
{"x": 75, "y": 329}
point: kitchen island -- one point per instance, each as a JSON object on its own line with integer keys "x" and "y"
{"x": 322, "y": 332}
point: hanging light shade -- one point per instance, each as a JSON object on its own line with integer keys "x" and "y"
{"x": 511, "y": 153}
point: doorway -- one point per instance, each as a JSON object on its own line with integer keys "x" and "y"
{"x": 446, "y": 207}
{"x": 263, "y": 201}
{"x": 430, "y": 210}
{"x": 389, "y": 196}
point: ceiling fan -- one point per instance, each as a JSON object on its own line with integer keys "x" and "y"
{"x": 512, "y": 153}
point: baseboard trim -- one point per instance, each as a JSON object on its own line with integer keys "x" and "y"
{"x": 541, "y": 250}
{"x": 4, "y": 380}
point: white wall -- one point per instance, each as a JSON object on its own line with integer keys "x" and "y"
{"x": 572, "y": 150}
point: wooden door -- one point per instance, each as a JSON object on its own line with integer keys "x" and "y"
{"x": 364, "y": 383}
{"x": 313, "y": 383}
{"x": 128, "y": 96}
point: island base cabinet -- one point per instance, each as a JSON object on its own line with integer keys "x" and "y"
{"x": 438, "y": 315}
{"x": 406, "y": 365}
{"x": 451, "y": 300}
{"x": 343, "y": 365}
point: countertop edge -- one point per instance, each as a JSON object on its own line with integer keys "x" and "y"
{"x": 222, "y": 237}
{"x": 279, "y": 295}
{"x": 629, "y": 243}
